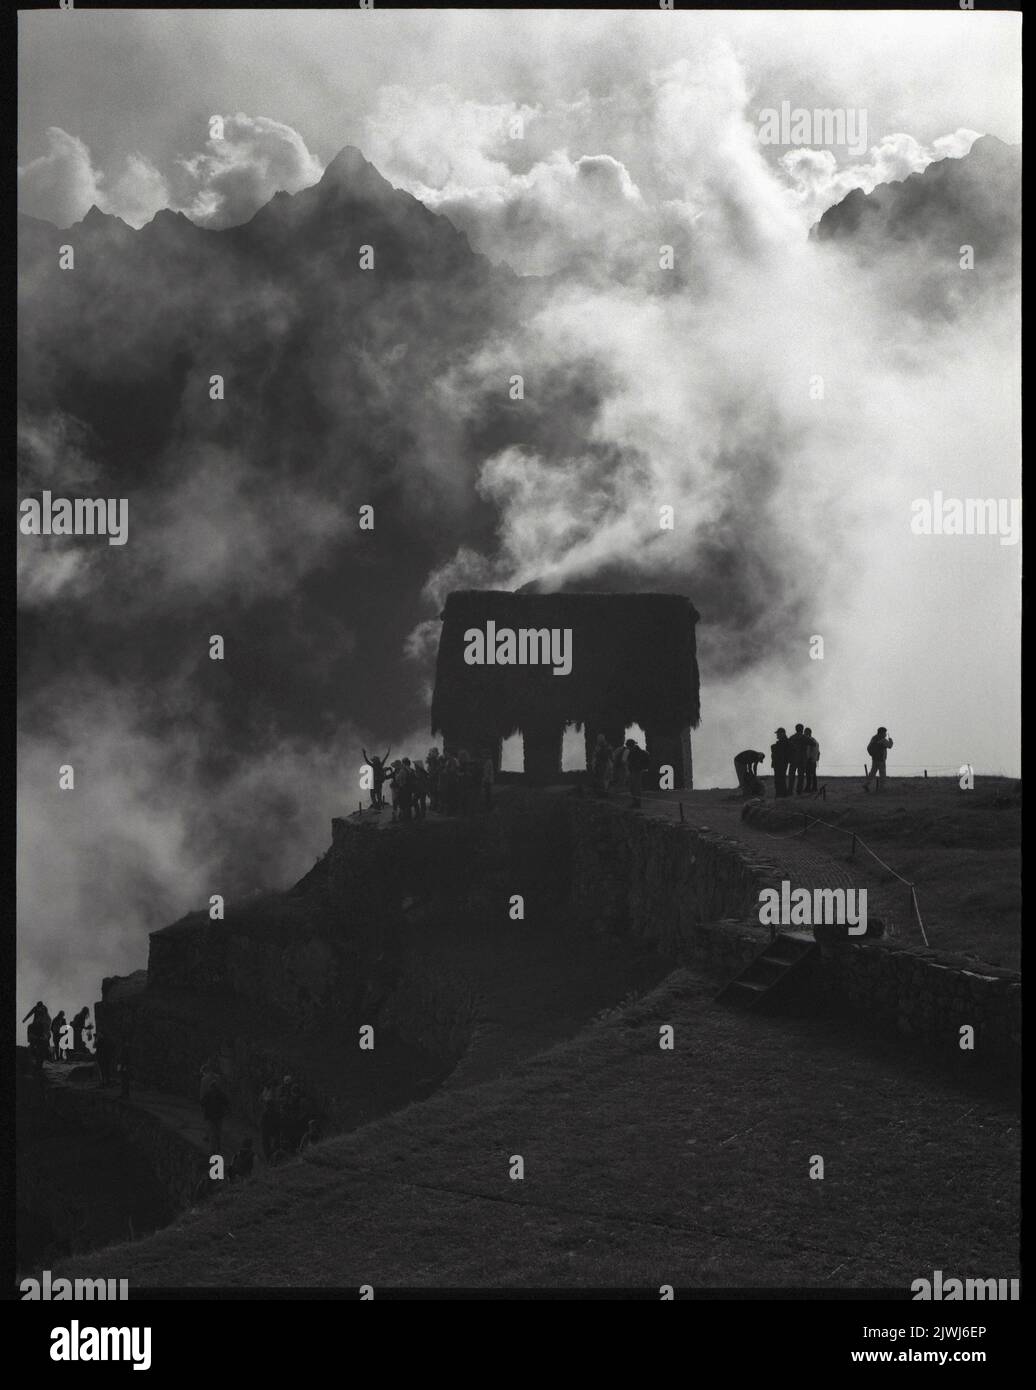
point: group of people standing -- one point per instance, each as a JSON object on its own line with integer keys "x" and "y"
{"x": 619, "y": 769}
{"x": 285, "y": 1125}
{"x": 56, "y": 1039}
{"x": 450, "y": 784}
{"x": 794, "y": 761}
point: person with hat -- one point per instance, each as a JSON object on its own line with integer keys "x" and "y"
{"x": 877, "y": 751}
{"x": 780, "y": 757}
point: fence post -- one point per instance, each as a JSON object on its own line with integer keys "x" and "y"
{"x": 681, "y": 813}
{"x": 917, "y": 914}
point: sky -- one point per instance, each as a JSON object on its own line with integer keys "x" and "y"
{"x": 635, "y": 130}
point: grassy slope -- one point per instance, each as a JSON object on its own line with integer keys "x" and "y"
{"x": 960, "y": 849}
{"x": 642, "y": 1167}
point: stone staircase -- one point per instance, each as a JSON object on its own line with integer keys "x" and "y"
{"x": 777, "y": 968}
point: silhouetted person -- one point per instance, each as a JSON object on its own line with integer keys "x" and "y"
{"x": 797, "y": 761}
{"x": 434, "y": 764}
{"x": 38, "y": 1032}
{"x": 56, "y": 1030}
{"x": 310, "y": 1137}
{"x": 620, "y": 767}
{"x": 637, "y": 763}
{"x": 811, "y": 756}
{"x": 214, "y": 1106}
{"x": 746, "y": 765}
{"x": 378, "y": 775}
{"x": 38, "y": 1019}
{"x": 79, "y": 1023}
{"x": 243, "y": 1162}
{"x": 780, "y": 756}
{"x": 394, "y": 783}
{"x": 419, "y": 774}
{"x": 877, "y": 751}
{"x": 404, "y": 780}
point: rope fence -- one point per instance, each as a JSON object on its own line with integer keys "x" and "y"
{"x": 857, "y": 842}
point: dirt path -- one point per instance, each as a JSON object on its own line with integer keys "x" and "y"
{"x": 175, "y": 1112}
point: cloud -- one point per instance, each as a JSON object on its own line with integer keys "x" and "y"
{"x": 148, "y": 833}
{"x": 235, "y": 175}
{"x": 62, "y": 185}
{"x": 566, "y": 196}
{"x": 219, "y": 186}
{"x": 137, "y": 193}
{"x": 217, "y": 532}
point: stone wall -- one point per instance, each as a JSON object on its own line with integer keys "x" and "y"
{"x": 665, "y": 883}
{"x": 336, "y": 944}
{"x": 177, "y": 1163}
{"x": 927, "y": 997}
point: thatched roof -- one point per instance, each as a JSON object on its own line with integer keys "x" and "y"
{"x": 633, "y": 662}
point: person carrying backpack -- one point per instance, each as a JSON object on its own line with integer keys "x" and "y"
{"x": 877, "y": 751}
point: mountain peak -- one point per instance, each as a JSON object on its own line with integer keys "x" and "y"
{"x": 96, "y": 218}
{"x": 350, "y": 171}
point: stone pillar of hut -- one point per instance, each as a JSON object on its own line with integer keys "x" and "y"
{"x": 672, "y": 748}
{"x": 543, "y": 753}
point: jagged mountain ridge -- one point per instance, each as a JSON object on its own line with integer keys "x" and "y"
{"x": 914, "y": 232}
{"x": 333, "y": 391}
{"x": 981, "y": 190}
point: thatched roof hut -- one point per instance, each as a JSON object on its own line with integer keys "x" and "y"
{"x": 633, "y": 662}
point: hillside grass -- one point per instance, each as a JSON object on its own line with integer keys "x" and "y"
{"x": 642, "y": 1167}
{"x": 961, "y": 850}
